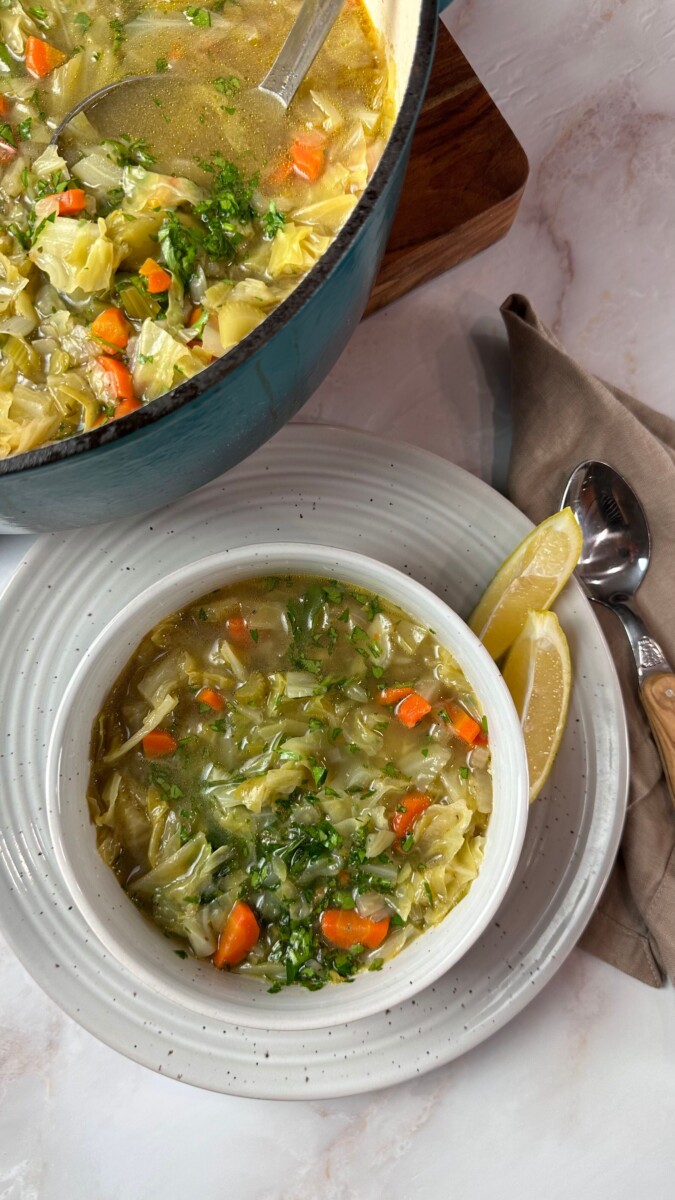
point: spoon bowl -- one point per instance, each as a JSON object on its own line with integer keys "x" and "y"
{"x": 614, "y": 561}
{"x": 617, "y": 544}
{"x": 306, "y": 37}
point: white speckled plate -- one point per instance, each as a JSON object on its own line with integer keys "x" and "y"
{"x": 448, "y": 530}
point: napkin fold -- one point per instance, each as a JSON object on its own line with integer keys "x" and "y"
{"x": 561, "y": 416}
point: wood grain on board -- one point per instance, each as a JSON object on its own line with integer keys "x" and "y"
{"x": 466, "y": 177}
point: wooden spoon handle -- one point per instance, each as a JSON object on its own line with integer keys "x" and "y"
{"x": 658, "y": 699}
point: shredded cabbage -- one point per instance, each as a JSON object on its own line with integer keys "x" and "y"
{"x": 78, "y": 256}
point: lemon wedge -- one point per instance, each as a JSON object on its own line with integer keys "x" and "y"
{"x": 531, "y": 578}
{"x": 538, "y": 674}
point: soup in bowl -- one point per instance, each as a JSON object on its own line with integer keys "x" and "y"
{"x": 304, "y": 769}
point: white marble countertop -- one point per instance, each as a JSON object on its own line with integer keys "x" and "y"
{"x": 577, "y": 1095}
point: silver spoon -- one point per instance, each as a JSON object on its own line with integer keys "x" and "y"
{"x": 614, "y": 561}
{"x": 307, "y": 35}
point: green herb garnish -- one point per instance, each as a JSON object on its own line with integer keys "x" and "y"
{"x": 129, "y": 152}
{"x": 272, "y": 221}
{"x": 118, "y": 33}
{"x": 201, "y": 17}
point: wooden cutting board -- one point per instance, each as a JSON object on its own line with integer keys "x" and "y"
{"x": 465, "y": 181}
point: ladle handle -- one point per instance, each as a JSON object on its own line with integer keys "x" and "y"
{"x": 308, "y": 34}
{"x": 658, "y": 699}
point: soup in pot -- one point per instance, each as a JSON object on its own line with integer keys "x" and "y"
{"x": 181, "y": 211}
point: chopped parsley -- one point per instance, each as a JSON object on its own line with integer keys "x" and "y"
{"x": 129, "y": 152}
{"x": 272, "y": 221}
{"x": 224, "y": 221}
{"x": 227, "y": 85}
{"x": 118, "y": 33}
{"x": 83, "y": 21}
{"x": 201, "y": 17}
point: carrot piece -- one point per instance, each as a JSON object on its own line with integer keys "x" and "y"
{"x": 111, "y": 327}
{"x": 344, "y": 928}
{"x": 238, "y": 938}
{"x": 71, "y": 202}
{"x": 308, "y": 155}
{"x": 238, "y": 631}
{"x": 211, "y": 697}
{"x": 118, "y": 377}
{"x": 393, "y": 695}
{"x": 158, "y": 742}
{"x": 407, "y": 811}
{"x": 196, "y": 314}
{"x": 411, "y": 710}
{"x": 126, "y": 407}
{"x": 157, "y": 279}
{"x": 462, "y": 722}
{"x": 41, "y": 58}
{"x": 4, "y": 106}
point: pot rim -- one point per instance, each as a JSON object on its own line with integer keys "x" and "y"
{"x": 277, "y": 320}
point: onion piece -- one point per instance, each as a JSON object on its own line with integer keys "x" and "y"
{"x": 373, "y": 906}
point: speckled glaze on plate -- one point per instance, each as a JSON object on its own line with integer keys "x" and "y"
{"x": 448, "y": 530}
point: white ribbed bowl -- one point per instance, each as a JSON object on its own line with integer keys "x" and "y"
{"x": 147, "y": 957}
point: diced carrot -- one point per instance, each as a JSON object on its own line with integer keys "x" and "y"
{"x": 411, "y": 710}
{"x": 126, "y": 407}
{"x": 308, "y": 155}
{"x": 118, "y": 377}
{"x": 41, "y": 58}
{"x": 4, "y": 106}
{"x": 344, "y": 928}
{"x": 482, "y": 739}
{"x": 196, "y": 314}
{"x": 71, "y": 202}
{"x": 463, "y": 724}
{"x": 239, "y": 936}
{"x": 112, "y": 328}
{"x": 211, "y": 697}
{"x": 8, "y": 152}
{"x": 158, "y": 742}
{"x": 157, "y": 279}
{"x": 407, "y": 811}
{"x": 393, "y": 695}
{"x": 238, "y": 631}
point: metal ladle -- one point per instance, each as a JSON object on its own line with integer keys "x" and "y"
{"x": 614, "y": 561}
{"x": 307, "y": 35}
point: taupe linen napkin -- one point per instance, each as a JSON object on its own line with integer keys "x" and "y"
{"x": 562, "y": 415}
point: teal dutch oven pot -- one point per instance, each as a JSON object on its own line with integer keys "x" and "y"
{"x": 213, "y": 421}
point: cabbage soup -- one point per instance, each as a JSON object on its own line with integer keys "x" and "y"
{"x": 292, "y": 777}
{"x": 179, "y": 213}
